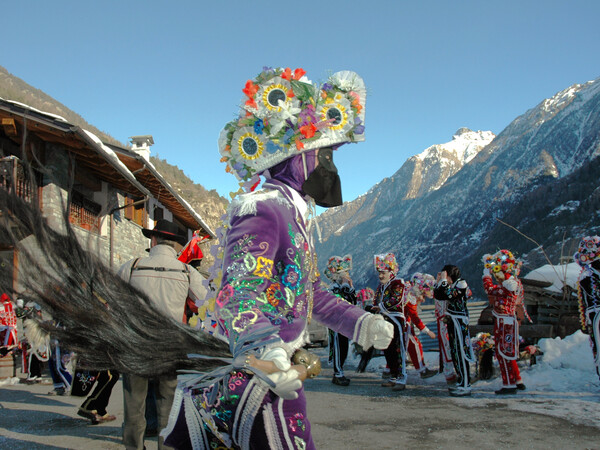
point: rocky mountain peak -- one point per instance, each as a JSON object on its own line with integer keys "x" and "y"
{"x": 441, "y": 206}
{"x": 461, "y": 131}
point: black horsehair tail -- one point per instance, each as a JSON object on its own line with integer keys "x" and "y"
{"x": 95, "y": 313}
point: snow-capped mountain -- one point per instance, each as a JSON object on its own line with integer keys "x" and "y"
{"x": 430, "y": 169}
{"x": 419, "y": 175}
{"x": 442, "y": 203}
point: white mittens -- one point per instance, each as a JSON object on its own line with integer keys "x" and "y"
{"x": 286, "y": 384}
{"x": 510, "y": 284}
{"x": 379, "y": 333}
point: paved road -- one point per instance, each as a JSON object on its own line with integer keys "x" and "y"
{"x": 361, "y": 416}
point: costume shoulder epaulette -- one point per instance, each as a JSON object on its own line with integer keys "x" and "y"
{"x": 247, "y": 204}
{"x": 461, "y": 284}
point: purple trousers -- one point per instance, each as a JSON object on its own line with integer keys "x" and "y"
{"x": 249, "y": 417}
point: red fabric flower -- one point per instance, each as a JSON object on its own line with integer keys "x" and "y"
{"x": 308, "y": 130}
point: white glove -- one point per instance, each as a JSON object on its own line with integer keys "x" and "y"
{"x": 379, "y": 333}
{"x": 486, "y": 273}
{"x": 286, "y": 384}
{"x": 510, "y": 284}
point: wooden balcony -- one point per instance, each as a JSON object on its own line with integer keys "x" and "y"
{"x": 15, "y": 179}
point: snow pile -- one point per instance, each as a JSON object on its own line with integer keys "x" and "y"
{"x": 9, "y": 381}
{"x": 567, "y": 365}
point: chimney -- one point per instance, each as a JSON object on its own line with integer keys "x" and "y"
{"x": 141, "y": 145}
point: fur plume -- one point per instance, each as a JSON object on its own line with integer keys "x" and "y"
{"x": 96, "y": 314}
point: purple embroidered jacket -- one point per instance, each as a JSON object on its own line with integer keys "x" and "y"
{"x": 270, "y": 275}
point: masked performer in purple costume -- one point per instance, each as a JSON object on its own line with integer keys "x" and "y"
{"x": 588, "y": 257}
{"x": 269, "y": 285}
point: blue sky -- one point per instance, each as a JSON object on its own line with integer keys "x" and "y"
{"x": 175, "y": 70}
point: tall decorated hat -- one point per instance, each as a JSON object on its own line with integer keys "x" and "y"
{"x": 284, "y": 114}
{"x": 385, "y": 262}
{"x": 337, "y": 266}
{"x": 588, "y": 251}
{"x": 502, "y": 261}
{"x": 422, "y": 284}
{"x": 365, "y": 295}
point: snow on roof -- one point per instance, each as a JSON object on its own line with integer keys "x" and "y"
{"x": 112, "y": 156}
{"x": 30, "y": 108}
{"x": 556, "y": 274}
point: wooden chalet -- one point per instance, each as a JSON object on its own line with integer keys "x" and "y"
{"x": 111, "y": 192}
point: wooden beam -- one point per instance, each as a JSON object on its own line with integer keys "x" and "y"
{"x": 10, "y": 128}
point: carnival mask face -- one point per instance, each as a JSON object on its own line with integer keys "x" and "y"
{"x": 323, "y": 184}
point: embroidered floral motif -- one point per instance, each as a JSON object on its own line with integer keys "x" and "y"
{"x": 292, "y": 276}
{"x": 274, "y": 294}
{"x": 235, "y": 380}
{"x": 224, "y": 295}
{"x": 243, "y": 320}
{"x": 296, "y": 422}
{"x": 249, "y": 262}
{"x": 242, "y": 246}
{"x": 264, "y": 267}
{"x": 300, "y": 444}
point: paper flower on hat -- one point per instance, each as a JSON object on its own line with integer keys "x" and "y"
{"x": 422, "y": 284}
{"x": 588, "y": 251}
{"x": 386, "y": 262}
{"x": 502, "y": 261}
{"x": 365, "y": 295}
{"x": 284, "y": 114}
{"x": 337, "y": 266}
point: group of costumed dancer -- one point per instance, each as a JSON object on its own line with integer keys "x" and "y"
{"x": 240, "y": 382}
{"x": 397, "y": 300}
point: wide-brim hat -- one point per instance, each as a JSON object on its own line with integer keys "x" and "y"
{"x": 166, "y": 230}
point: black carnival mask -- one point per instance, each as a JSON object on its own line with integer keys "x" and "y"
{"x": 323, "y": 184}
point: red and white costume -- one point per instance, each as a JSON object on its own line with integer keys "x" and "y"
{"x": 504, "y": 299}
{"x": 8, "y": 323}
{"x": 413, "y": 344}
{"x": 443, "y": 340}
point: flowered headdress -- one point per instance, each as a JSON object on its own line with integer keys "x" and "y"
{"x": 386, "y": 262}
{"x": 422, "y": 284}
{"x": 502, "y": 261}
{"x": 337, "y": 265}
{"x": 284, "y": 114}
{"x": 589, "y": 251}
{"x": 365, "y": 295}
